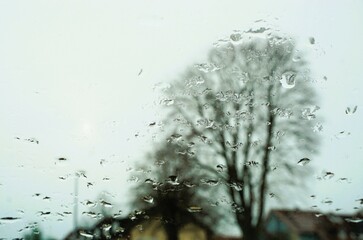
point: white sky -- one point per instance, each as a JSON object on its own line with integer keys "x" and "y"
{"x": 69, "y": 78}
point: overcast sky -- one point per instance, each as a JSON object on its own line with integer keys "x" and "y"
{"x": 82, "y": 77}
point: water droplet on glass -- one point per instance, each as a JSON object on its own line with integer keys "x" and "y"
{"x": 189, "y": 184}
{"x": 148, "y": 199}
{"x": 106, "y": 204}
{"x": 327, "y": 201}
{"x": 328, "y": 175}
{"x": 159, "y": 162}
{"x": 318, "y": 127}
{"x": 195, "y": 209}
{"x": 167, "y": 102}
{"x": 173, "y": 180}
{"x": 312, "y": 40}
{"x": 149, "y": 181}
{"x": 354, "y": 220}
{"x": 271, "y": 148}
{"x": 133, "y": 179}
{"x": 210, "y": 182}
{"x": 220, "y": 168}
{"x": 203, "y": 67}
{"x": 41, "y": 213}
{"x": 236, "y": 208}
{"x": 9, "y": 219}
{"x": 308, "y": 114}
{"x": 288, "y": 80}
{"x": 296, "y": 59}
{"x": 106, "y": 227}
{"x": 351, "y": 111}
{"x": 236, "y": 37}
{"x": 85, "y": 234}
{"x": 303, "y": 161}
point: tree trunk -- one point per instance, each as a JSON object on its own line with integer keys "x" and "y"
{"x": 171, "y": 231}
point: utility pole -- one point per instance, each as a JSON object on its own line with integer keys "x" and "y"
{"x": 75, "y": 201}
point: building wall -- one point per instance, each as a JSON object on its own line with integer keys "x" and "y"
{"x": 153, "y": 230}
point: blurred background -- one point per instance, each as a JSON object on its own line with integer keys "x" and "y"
{"x": 179, "y": 113}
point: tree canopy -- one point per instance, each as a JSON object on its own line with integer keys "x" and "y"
{"x": 242, "y": 122}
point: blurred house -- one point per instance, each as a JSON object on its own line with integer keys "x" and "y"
{"x": 139, "y": 227}
{"x": 308, "y": 225}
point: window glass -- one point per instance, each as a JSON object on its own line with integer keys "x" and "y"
{"x": 180, "y": 118}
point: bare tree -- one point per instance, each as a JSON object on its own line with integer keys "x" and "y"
{"x": 247, "y": 117}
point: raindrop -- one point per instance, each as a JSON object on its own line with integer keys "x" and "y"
{"x": 85, "y": 234}
{"x": 354, "y": 220}
{"x": 203, "y": 67}
{"x": 327, "y": 201}
{"x": 312, "y": 40}
{"x": 210, "y": 182}
{"x": 308, "y": 114}
{"x": 318, "y": 127}
{"x": 159, "y": 162}
{"x": 41, "y": 213}
{"x": 148, "y": 199}
{"x": 139, "y": 72}
{"x": 119, "y": 230}
{"x": 9, "y": 219}
{"x": 106, "y": 227}
{"x": 296, "y": 59}
{"x": 106, "y": 204}
{"x": 195, "y": 209}
{"x": 150, "y": 181}
{"x": 140, "y": 227}
{"x": 173, "y": 180}
{"x": 236, "y": 208}
{"x": 103, "y": 161}
{"x": 89, "y": 203}
{"x": 236, "y": 186}
{"x": 236, "y": 37}
{"x": 351, "y": 111}
{"x": 328, "y": 175}
{"x": 303, "y": 161}
{"x": 288, "y": 80}
{"x": 133, "y": 179}
{"x": 189, "y": 184}
{"x": 32, "y": 140}
{"x": 343, "y": 179}
{"x": 220, "y": 168}
{"x": 91, "y": 214}
{"x": 272, "y": 148}
{"x": 167, "y": 102}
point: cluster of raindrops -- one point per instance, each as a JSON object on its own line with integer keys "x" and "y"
{"x": 350, "y": 111}
{"x": 31, "y": 140}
